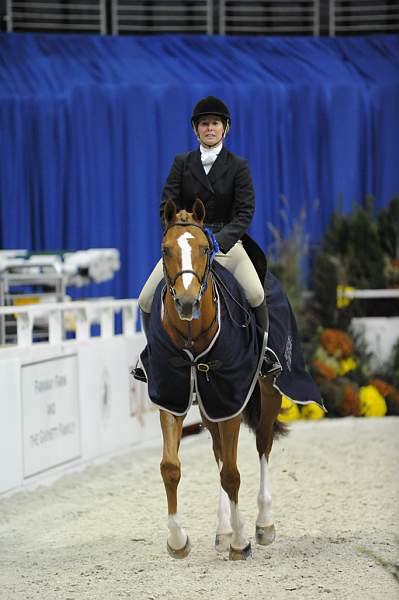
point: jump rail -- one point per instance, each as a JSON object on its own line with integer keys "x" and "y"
{"x": 81, "y": 313}
{"x": 393, "y": 293}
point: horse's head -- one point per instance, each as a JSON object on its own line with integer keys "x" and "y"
{"x": 186, "y": 255}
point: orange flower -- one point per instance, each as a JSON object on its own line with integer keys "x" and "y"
{"x": 350, "y": 404}
{"x": 336, "y": 342}
{"x": 383, "y": 387}
{"x": 390, "y": 393}
{"x": 324, "y": 369}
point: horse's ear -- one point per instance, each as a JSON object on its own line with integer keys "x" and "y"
{"x": 199, "y": 211}
{"x": 169, "y": 213}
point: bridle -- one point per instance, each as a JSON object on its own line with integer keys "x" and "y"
{"x": 203, "y": 281}
{"x": 210, "y": 252}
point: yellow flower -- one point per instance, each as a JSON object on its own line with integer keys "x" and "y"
{"x": 291, "y": 410}
{"x": 312, "y": 411}
{"x": 346, "y": 365}
{"x": 342, "y": 299}
{"x": 372, "y": 404}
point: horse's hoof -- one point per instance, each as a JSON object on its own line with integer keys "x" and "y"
{"x": 265, "y": 535}
{"x": 243, "y": 554}
{"x": 182, "y": 552}
{"x": 222, "y": 542}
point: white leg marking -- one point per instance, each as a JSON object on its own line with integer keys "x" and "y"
{"x": 177, "y": 537}
{"x": 239, "y": 541}
{"x": 186, "y": 257}
{"x": 224, "y": 525}
{"x": 264, "y": 498}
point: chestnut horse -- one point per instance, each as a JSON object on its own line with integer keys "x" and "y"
{"x": 186, "y": 256}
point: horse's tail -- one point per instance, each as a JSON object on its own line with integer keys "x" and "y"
{"x": 280, "y": 429}
{"x": 251, "y": 416}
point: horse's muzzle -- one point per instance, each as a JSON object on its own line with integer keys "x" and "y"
{"x": 187, "y": 309}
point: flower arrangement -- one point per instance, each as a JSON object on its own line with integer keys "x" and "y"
{"x": 359, "y": 250}
{"x": 343, "y": 377}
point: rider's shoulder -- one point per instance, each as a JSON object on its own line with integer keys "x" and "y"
{"x": 234, "y": 157}
{"x": 182, "y": 157}
{"x": 239, "y": 161}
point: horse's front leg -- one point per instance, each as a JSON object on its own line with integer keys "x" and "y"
{"x": 223, "y": 529}
{"x": 178, "y": 544}
{"x": 240, "y": 547}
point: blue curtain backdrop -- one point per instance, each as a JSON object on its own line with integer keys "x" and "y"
{"x": 89, "y": 126}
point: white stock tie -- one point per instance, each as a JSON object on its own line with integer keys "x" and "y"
{"x": 209, "y": 155}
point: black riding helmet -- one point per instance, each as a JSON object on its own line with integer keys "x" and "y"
{"x": 211, "y": 106}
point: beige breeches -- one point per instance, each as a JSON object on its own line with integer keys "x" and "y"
{"x": 236, "y": 261}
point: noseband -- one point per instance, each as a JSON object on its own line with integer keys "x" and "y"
{"x": 210, "y": 252}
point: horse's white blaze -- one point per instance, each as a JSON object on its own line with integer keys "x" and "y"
{"x": 224, "y": 525}
{"x": 264, "y": 498}
{"x": 239, "y": 540}
{"x": 186, "y": 257}
{"x": 177, "y": 537}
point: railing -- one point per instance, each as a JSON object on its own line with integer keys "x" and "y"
{"x": 363, "y": 16}
{"x": 54, "y": 15}
{"x": 80, "y": 315}
{"x": 269, "y": 17}
{"x": 157, "y": 16}
{"x": 246, "y": 17}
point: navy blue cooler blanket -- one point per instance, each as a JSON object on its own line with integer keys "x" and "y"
{"x": 224, "y": 376}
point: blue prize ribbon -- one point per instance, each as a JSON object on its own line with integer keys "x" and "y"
{"x": 214, "y": 243}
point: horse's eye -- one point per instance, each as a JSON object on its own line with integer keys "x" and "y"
{"x": 166, "y": 251}
{"x": 205, "y": 250}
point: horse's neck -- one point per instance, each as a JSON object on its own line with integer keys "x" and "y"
{"x": 206, "y": 323}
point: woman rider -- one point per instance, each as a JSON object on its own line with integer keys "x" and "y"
{"x": 223, "y": 182}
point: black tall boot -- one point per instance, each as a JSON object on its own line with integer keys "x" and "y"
{"x": 269, "y": 364}
{"x": 138, "y": 373}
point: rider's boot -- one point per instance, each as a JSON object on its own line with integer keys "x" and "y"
{"x": 269, "y": 364}
{"x": 138, "y": 373}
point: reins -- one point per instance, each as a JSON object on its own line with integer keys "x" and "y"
{"x": 226, "y": 289}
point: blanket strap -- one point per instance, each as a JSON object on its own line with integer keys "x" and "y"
{"x": 203, "y": 367}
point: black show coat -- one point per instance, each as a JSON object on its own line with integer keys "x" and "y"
{"x": 227, "y": 193}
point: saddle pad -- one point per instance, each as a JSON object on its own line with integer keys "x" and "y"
{"x": 233, "y": 359}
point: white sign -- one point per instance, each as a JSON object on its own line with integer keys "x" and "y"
{"x": 50, "y": 414}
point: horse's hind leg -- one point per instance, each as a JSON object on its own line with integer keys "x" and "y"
{"x": 270, "y": 407}
{"x": 240, "y": 548}
{"x": 223, "y": 529}
{"x": 178, "y": 544}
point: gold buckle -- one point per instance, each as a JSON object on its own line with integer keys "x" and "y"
{"x": 203, "y": 367}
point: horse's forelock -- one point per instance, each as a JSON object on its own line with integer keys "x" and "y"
{"x": 184, "y": 217}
